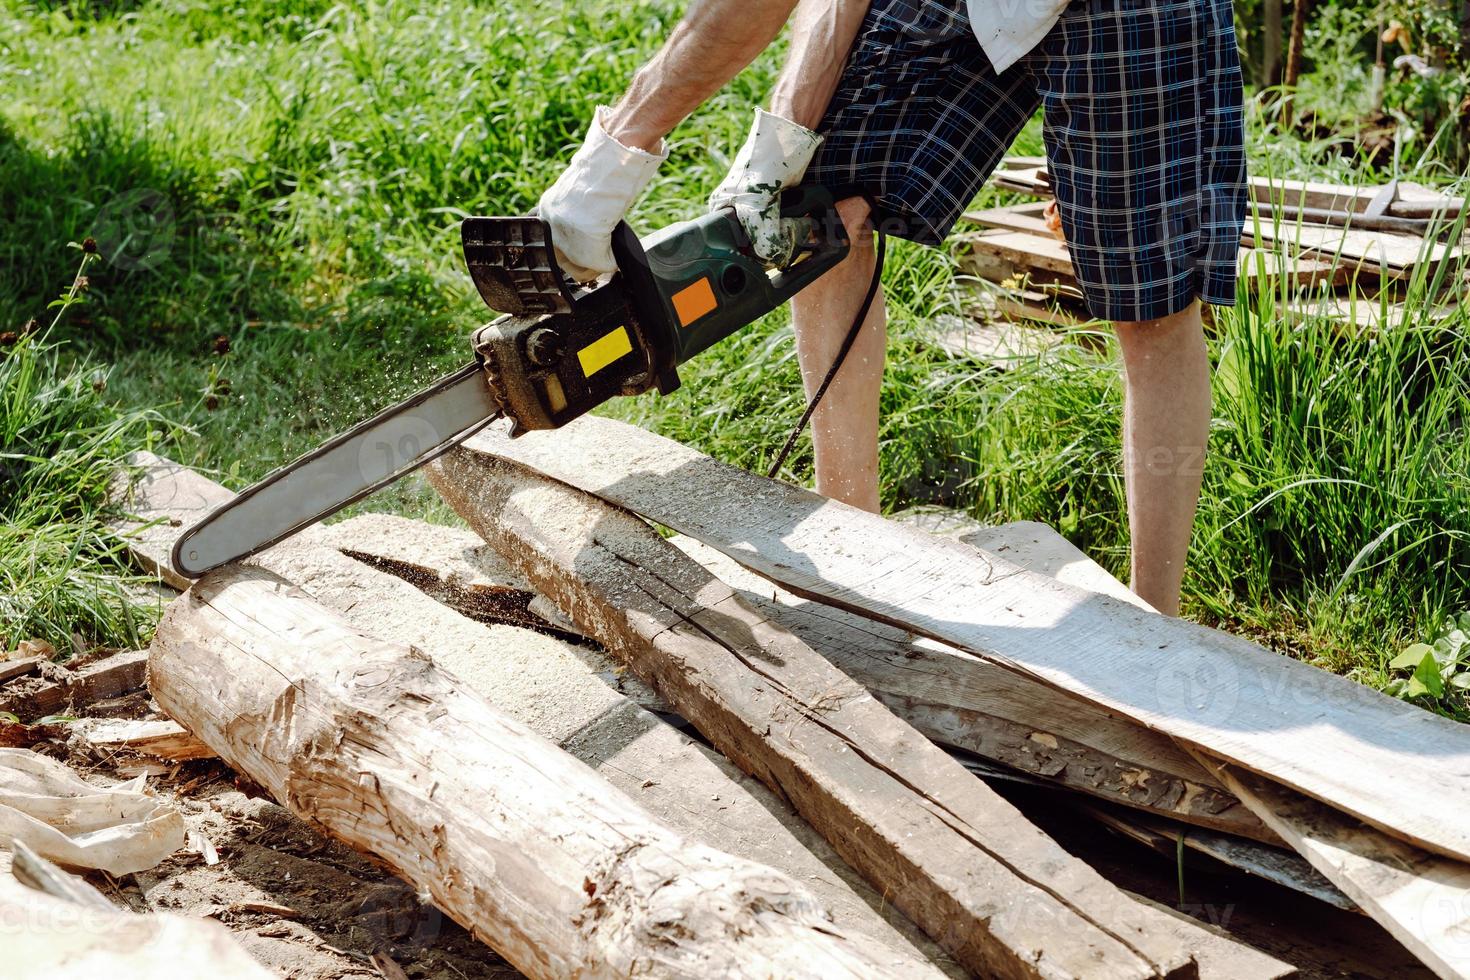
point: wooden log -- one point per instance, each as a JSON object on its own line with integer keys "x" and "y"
{"x": 577, "y": 697}
{"x": 107, "y": 678}
{"x": 1392, "y": 765}
{"x": 521, "y": 843}
{"x": 960, "y": 860}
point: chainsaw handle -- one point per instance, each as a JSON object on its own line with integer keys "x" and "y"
{"x": 827, "y": 242}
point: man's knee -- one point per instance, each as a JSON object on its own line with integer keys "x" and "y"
{"x": 1184, "y": 328}
{"x": 856, "y": 215}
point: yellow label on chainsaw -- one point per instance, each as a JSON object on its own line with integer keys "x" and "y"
{"x": 604, "y": 350}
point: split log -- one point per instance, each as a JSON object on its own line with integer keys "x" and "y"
{"x": 574, "y": 695}
{"x": 107, "y": 678}
{"x": 522, "y": 844}
{"x": 1401, "y": 769}
{"x": 961, "y": 861}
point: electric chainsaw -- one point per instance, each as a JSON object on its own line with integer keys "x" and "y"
{"x": 559, "y": 350}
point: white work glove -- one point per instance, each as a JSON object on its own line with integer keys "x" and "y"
{"x": 591, "y": 196}
{"x": 774, "y": 157}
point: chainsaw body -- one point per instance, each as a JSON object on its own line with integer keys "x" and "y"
{"x": 562, "y": 349}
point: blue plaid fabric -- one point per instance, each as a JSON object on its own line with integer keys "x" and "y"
{"x": 1143, "y": 125}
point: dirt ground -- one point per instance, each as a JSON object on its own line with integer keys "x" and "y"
{"x": 304, "y": 905}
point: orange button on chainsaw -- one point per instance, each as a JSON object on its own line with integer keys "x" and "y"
{"x": 694, "y": 301}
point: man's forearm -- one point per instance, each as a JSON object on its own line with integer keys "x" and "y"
{"x": 821, "y": 39}
{"x": 710, "y": 46}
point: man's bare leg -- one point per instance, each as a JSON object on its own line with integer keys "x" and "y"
{"x": 1166, "y": 423}
{"x": 845, "y": 425}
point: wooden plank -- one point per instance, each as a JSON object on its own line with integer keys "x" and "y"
{"x": 1311, "y": 194}
{"x": 1281, "y": 867}
{"x": 1392, "y": 765}
{"x": 997, "y": 343}
{"x": 579, "y": 698}
{"x": 1386, "y": 253}
{"x": 18, "y": 667}
{"x": 960, "y": 700}
{"x": 161, "y": 738}
{"x": 1038, "y": 254}
{"x": 527, "y": 847}
{"x": 1026, "y": 246}
{"x": 1029, "y": 175}
{"x": 961, "y": 861}
{"x": 106, "y": 678}
{"x": 1423, "y": 900}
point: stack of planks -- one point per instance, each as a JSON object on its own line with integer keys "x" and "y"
{"x": 1342, "y": 252}
{"x": 544, "y": 791}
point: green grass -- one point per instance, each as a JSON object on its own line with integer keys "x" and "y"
{"x": 63, "y": 573}
{"x": 290, "y": 175}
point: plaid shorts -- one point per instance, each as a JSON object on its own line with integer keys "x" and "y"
{"x": 1143, "y": 126}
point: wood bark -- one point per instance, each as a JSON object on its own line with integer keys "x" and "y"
{"x": 1271, "y": 34}
{"x": 1291, "y": 75}
{"x": 1401, "y": 769}
{"x": 572, "y": 694}
{"x": 521, "y": 843}
{"x": 961, "y": 861}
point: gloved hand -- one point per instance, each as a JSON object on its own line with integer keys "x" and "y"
{"x": 591, "y": 196}
{"x": 774, "y": 157}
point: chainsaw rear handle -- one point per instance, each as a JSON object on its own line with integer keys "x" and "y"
{"x": 826, "y": 244}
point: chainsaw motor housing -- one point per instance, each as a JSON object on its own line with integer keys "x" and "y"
{"x": 562, "y": 349}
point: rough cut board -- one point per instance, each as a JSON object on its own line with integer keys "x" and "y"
{"x": 1388, "y": 763}
{"x": 1423, "y": 900}
{"x": 1025, "y": 244}
{"x": 1029, "y": 176}
{"x": 983, "y": 881}
{"x": 997, "y": 343}
{"x": 963, "y": 701}
{"x": 565, "y": 693}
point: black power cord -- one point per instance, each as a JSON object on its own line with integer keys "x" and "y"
{"x": 842, "y": 352}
